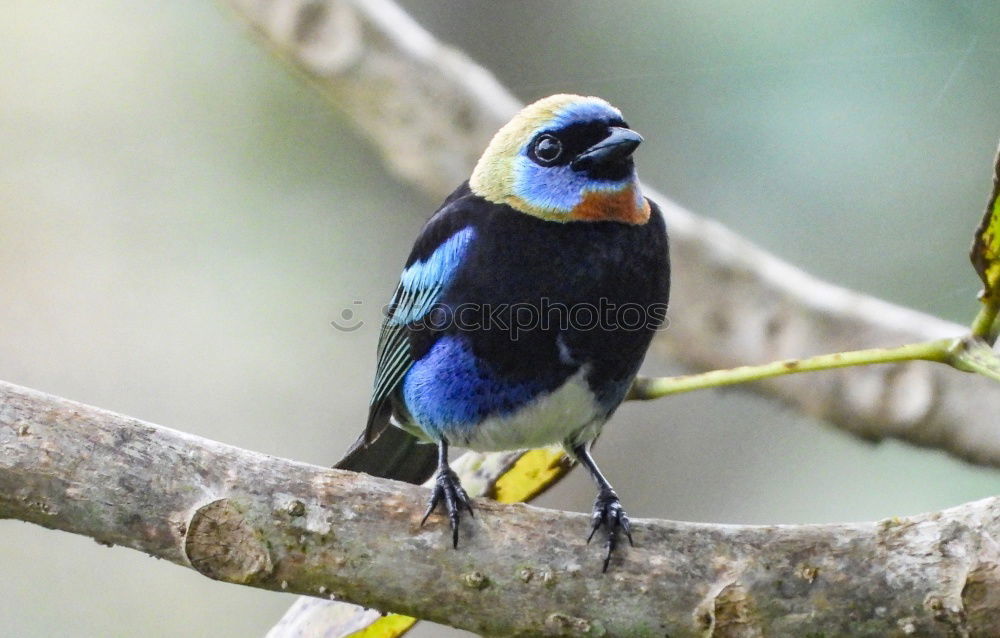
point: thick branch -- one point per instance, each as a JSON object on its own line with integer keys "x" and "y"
{"x": 430, "y": 110}
{"x": 248, "y": 518}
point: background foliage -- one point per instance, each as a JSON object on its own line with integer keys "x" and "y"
{"x": 181, "y": 218}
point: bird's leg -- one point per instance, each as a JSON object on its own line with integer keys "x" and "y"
{"x": 608, "y": 510}
{"x": 448, "y": 490}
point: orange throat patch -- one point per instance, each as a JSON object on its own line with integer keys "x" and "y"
{"x": 615, "y": 206}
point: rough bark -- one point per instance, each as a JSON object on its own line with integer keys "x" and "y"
{"x": 430, "y": 111}
{"x": 252, "y": 519}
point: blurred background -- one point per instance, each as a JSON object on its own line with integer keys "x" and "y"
{"x": 181, "y": 218}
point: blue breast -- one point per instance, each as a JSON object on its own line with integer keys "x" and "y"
{"x": 449, "y": 389}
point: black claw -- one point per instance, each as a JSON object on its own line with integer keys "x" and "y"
{"x": 448, "y": 489}
{"x": 435, "y": 497}
{"x": 608, "y": 513}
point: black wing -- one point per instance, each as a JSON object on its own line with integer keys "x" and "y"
{"x": 436, "y": 257}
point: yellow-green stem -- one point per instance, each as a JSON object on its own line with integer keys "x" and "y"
{"x": 941, "y": 350}
{"x": 983, "y": 325}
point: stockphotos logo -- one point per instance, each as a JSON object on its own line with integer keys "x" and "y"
{"x": 348, "y": 321}
{"x": 519, "y": 318}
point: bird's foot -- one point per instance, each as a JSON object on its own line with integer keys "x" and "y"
{"x": 608, "y": 513}
{"x": 448, "y": 490}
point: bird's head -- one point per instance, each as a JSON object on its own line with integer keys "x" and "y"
{"x": 564, "y": 158}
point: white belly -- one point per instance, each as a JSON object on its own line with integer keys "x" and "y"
{"x": 568, "y": 413}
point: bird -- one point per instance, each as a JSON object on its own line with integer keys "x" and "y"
{"x": 524, "y": 309}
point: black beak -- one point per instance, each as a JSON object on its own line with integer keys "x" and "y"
{"x": 615, "y": 147}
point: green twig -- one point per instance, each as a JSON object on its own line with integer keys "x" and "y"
{"x": 942, "y": 350}
{"x": 984, "y": 325}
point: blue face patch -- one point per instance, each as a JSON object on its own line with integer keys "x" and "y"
{"x": 557, "y": 188}
{"x": 449, "y": 389}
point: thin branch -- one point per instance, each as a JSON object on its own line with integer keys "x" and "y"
{"x": 247, "y": 518}
{"x": 430, "y": 111}
{"x": 647, "y": 388}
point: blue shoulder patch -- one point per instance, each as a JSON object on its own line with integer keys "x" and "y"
{"x": 430, "y": 274}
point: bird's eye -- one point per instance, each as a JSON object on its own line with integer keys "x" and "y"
{"x": 548, "y": 148}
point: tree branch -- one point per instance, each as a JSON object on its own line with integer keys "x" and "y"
{"x": 430, "y": 110}
{"x": 247, "y": 518}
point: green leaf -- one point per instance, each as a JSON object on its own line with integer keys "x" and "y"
{"x": 389, "y": 626}
{"x": 533, "y": 473}
{"x": 985, "y": 255}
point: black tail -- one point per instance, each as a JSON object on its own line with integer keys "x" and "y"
{"x": 392, "y": 453}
